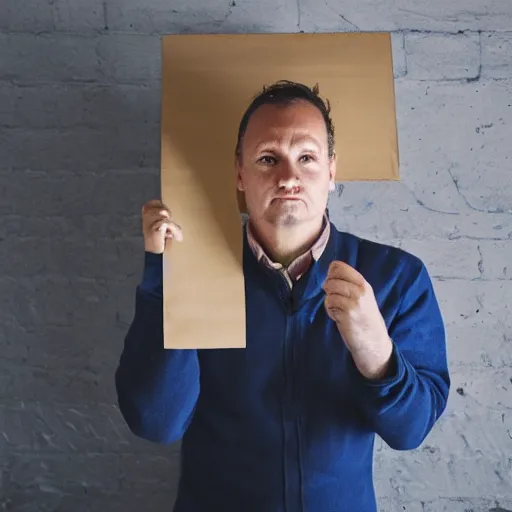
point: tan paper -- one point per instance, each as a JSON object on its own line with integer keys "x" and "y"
{"x": 207, "y": 83}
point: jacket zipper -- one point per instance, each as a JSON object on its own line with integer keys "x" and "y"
{"x": 290, "y": 310}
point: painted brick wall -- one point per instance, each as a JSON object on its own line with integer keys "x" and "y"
{"x": 79, "y": 154}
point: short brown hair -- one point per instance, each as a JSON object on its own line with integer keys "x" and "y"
{"x": 284, "y": 92}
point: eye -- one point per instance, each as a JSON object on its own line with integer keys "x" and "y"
{"x": 267, "y": 160}
{"x": 307, "y": 158}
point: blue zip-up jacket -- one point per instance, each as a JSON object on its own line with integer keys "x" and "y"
{"x": 288, "y": 423}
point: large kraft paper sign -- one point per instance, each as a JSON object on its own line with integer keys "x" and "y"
{"x": 207, "y": 83}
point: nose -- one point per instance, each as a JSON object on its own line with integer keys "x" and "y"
{"x": 288, "y": 175}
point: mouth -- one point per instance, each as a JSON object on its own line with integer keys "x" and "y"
{"x": 287, "y": 198}
{"x": 287, "y": 202}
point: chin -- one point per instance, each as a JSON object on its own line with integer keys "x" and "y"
{"x": 289, "y": 220}
{"x": 283, "y": 218}
{"x": 285, "y": 212}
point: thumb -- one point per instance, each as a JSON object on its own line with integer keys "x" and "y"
{"x": 170, "y": 230}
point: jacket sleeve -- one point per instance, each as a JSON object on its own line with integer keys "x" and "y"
{"x": 157, "y": 388}
{"x": 404, "y": 406}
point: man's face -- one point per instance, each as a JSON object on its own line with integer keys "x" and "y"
{"x": 284, "y": 168}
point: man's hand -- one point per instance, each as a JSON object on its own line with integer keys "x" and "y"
{"x": 351, "y": 303}
{"x": 157, "y": 226}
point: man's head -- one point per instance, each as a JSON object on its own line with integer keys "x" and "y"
{"x": 285, "y": 155}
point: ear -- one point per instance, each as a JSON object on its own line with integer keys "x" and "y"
{"x": 239, "y": 181}
{"x": 332, "y": 172}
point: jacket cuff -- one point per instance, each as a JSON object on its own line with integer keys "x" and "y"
{"x": 152, "y": 277}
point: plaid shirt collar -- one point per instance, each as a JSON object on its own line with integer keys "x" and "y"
{"x": 298, "y": 267}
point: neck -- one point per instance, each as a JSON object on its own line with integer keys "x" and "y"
{"x": 285, "y": 243}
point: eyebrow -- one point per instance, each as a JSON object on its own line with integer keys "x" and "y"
{"x": 267, "y": 145}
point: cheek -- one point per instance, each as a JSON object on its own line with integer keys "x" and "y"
{"x": 317, "y": 188}
{"x": 256, "y": 188}
{"x": 317, "y": 182}
{"x": 260, "y": 182}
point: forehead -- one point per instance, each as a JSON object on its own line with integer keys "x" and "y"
{"x": 275, "y": 123}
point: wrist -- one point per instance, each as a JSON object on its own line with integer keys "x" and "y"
{"x": 375, "y": 363}
{"x": 152, "y": 277}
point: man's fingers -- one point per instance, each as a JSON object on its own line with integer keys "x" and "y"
{"x": 335, "y": 286}
{"x": 157, "y": 217}
{"x": 341, "y": 270}
{"x": 176, "y": 232}
{"x": 154, "y": 213}
{"x": 339, "y": 304}
{"x": 334, "y": 314}
{"x": 172, "y": 230}
{"x": 153, "y": 204}
{"x": 154, "y": 210}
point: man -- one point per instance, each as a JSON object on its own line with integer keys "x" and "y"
{"x": 345, "y": 340}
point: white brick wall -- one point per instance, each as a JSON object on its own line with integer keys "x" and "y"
{"x": 442, "y": 56}
{"x": 79, "y": 145}
{"x": 407, "y": 15}
{"x": 497, "y": 54}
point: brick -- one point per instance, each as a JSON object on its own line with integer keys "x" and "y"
{"x": 374, "y": 15}
{"x": 333, "y": 17}
{"x": 86, "y": 377}
{"x": 496, "y": 259}
{"x": 48, "y": 345}
{"x": 26, "y": 16}
{"x": 447, "y": 259}
{"x": 130, "y": 58}
{"x": 57, "y": 301}
{"x": 149, "y": 474}
{"x": 247, "y": 16}
{"x": 72, "y": 16}
{"x": 48, "y": 500}
{"x": 78, "y": 256}
{"x": 433, "y": 469}
{"x": 472, "y": 388}
{"x": 420, "y": 481}
{"x": 442, "y": 57}
{"x": 159, "y": 16}
{"x": 478, "y": 326}
{"x": 387, "y": 504}
{"x": 82, "y": 149}
{"x": 463, "y": 504}
{"x": 79, "y": 369}
{"x": 72, "y": 105}
{"x": 50, "y": 15}
{"x": 60, "y": 193}
{"x": 32, "y": 59}
{"x": 71, "y": 428}
{"x": 393, "y": 212}
{"x": 398, "y": 49}
{"x": 28, "y": 107}
{"x": 70, "y": 225}
{"x": 38, "y": 383}
{"x": 497, "y": 55}
{"x": 41, "y": 474}
{"x": 116, "y": 224}
{"x": 453, "y": 144}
